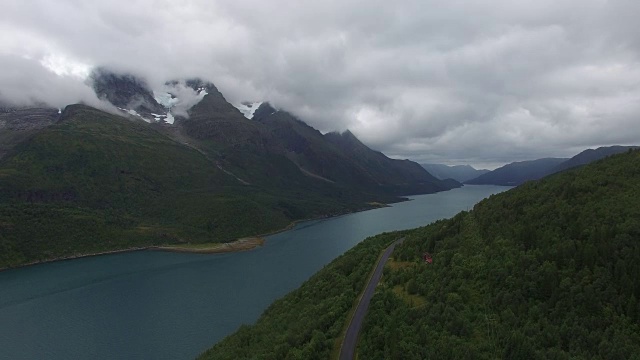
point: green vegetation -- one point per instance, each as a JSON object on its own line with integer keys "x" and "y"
{"x": 545, "y": 271}
{"x": 85, "y": 181}
{"x": 96, "y": 182}
{"x": 306, "y": 323}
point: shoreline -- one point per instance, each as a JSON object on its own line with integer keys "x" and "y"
{"x": 238, "y": 245}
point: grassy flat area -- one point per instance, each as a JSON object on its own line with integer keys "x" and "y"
{"x": 212, "y": 248}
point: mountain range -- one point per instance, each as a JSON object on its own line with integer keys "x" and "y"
{"x": 516, "y": 173}
{"x": 180, "y": 164}
{"x": 176, "y": 165}
{"x": 459, "y": 173}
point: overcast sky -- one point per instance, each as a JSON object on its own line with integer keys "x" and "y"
{"x": 478, "y": 82}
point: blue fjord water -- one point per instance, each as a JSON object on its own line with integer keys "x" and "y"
{"x": 160, "y": 305}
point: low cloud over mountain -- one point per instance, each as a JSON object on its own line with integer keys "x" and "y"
{"x": 484, "y": 83}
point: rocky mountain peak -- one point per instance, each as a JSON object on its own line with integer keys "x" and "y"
{"x": 125, "y": 91}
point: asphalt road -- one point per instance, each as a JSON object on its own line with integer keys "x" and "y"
{"x": 348, "y": 348}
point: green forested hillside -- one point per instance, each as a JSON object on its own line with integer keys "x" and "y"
{"x": 306, "y": 322}
{"x": 95, "y": 182}
{"x": 547, "y": 270}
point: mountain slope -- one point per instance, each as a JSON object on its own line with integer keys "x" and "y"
{"x": 516, "y": 173}
{"x": 542, "y": 271}
{"x": 272, "y": 148}
{"x": 591, "y": 155}
{"x": 400, "y": 177}
{"x": 215, "y": 119}
{"x": 95, "y": 182}
{"x": 113, "y": 182}
{"x": 18, "y": 123}
{"x": 293, "y": 153}
{"x": 343, "y": 159}
{"x": 459, "y": 173}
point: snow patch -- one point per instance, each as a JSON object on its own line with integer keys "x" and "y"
{"x": 135, "y": 113}
{"x": 158, "y": 117}
{"x": 248, "y": 109}
{"x": 165, "y": 99}
{"x": 170, "y": 118}
{"x": 178, "y": 98}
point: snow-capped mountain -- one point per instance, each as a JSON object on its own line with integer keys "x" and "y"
{"x": 126, "y": 92}
{"x": 178, "y": 96}
{"x": 135, "y": 97}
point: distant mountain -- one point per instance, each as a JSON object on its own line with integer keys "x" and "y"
{"x": 591, "y": 155}
{"x": 518, "y": 172}
{"x": 459, "y": 173}
{"x": 400, "y": 177}
{"x": 277, "y": 143}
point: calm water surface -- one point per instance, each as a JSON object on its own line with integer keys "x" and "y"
{"x": 159, "y": 305}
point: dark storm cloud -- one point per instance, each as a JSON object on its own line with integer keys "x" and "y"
{"x": 484, "y": 82}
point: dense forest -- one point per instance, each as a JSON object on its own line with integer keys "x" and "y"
{"x": 547, "y": 270}
{"x": 306, "y": 323}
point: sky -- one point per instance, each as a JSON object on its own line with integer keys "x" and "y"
{"x": 480, "y": 82}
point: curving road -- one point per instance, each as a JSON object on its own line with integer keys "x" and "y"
{"x": 348, "y": 348}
